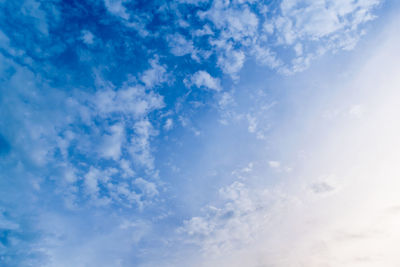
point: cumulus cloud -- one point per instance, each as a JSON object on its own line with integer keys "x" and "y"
{"x": 203, "y": 79}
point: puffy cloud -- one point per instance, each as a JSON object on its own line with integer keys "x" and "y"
{"x": 132, "y": 101}
{"x": 274, "y": 164}
{"x": 317, "y": 19}
{"x": 231, "y": 62}
{"x": 169, "y": 124}
{"x": 112, "y": 143}
{"x": 203, "y": 79}
{"x": 235, "y": 22}
{"x": 117, "y": 8}
{"x": 155, "y": 75}
{"x": 179, "y": 45}
{"x": 87, "y": 37}
{"x": 91, "y": 181}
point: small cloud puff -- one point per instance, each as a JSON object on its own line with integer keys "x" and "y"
{"x": 87, "y": 37}
{"x": 169, "y": 124}
{"x": 155, "y": 75}
{"x": 112, "y": 143}
{"x": 203, "y": 79}
{"x": 117, "y": 8}
{"x": 179, "y": 45}
{"x": 232, "y": 62}
{"x": 274, "y": 164}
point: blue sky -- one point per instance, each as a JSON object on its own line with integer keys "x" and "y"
{"x": 199, "y": 133}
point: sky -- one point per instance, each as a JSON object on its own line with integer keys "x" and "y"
{"x": 199, "y": 133}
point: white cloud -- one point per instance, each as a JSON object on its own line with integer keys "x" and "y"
{"x": 132, "y": 101}
{"x": 87, "y": 37}
{"x": 237, "y": 23}
{"x": 140, "y": 149}
{"x": 252, "y": 123}
{"x": 51, "y": 137}
{"x": 327, "y": 25}
{"x": 117, "y": 8}
{"x": 149, "y": 189}
{"x": 227, "y": 228}
{"x": 70, "y": 175}
{"x": 203, "y": 79}
{"x": 156, "y": 75}
{"x": 169, "y": 124}
{"x": 274, "y": 164}
{"x": 112, "y": 143}
{"x": 126, "y": 168}
{"x": 193, "y": 2}
{"x": 179, "y": 45}
{"x": 92, "y": 181}
{"x": 34, "y": 9}
{"x": 310, "y": 28}
{"x": 265, "y": 56}
{"x": 204, "y": 31}
{"x": 231, "y": 62}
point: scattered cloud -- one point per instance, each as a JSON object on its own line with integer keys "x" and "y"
{"x": 169, "y": 124}
{"x": 87, "y": 37}
{"x": 202, "y": 79}
{"x": 117, "y": 8}
{"x": 179, "y": 45}
{"x": 109, "y": 113}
